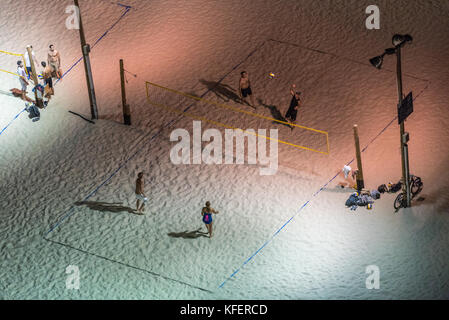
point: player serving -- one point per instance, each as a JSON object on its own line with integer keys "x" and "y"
{"x": 292, "y": 111}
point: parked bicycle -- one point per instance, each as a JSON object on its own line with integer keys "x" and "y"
{"x": 416, "y": 187}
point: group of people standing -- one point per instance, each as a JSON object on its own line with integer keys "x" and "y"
{"x": 246, "y": 91}
{"x": 49, "y": 70}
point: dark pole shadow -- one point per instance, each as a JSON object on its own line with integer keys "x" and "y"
{"x": 222, "y": 91}
{"x": 275, "y": 113}
{"x": 188, "y": 234}
{"x": 105, "y": 207}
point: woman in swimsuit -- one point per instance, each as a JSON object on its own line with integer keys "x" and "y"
{"x": 207, "y": 217}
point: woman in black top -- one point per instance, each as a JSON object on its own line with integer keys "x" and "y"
{"x": 292, "y": 112}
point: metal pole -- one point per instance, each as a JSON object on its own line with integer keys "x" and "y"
{"x": 409, "y": 196}
{"x": 405, "y": 172}
{"x": 88, "y": 70}
{"x": 360, "y": 180}
{"x": 126, "y": 109}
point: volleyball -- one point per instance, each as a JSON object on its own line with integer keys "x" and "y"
{"x": 369, "y": 206}
{"x": 271, "y": 75}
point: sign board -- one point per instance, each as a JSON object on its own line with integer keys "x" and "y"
{"x": 406, "y": 108}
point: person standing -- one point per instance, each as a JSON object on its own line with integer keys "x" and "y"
{"x": 28, "y": 61}
{"x": 207, "y": 212}
{"x": 245, "y": 89}
{"x": 292, "y": 112}
{"x": 48, "y": 81}
{"x": 140, "y": 195}
{"x": 23, "y": 79}
{"x": 54, "y": 61}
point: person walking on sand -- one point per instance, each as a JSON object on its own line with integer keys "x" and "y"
{"x": 292, "y": 111}
{"x": 140, "y": 195}
{"x": 54, "y": 61}
{"x": 207, "y": 217}
{"x": 245, "y": 89}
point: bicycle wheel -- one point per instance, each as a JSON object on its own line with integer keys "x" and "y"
{"x": 399, "y": 201}
{"x": 416, "y": 187}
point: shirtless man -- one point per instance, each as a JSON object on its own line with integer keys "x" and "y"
{"x": 54, "y": 61}
{"x": 140, "y": 196}
{"x": 207, "y": 212}
{"x": 48, "y": 80}
{"x": 245, "y": 89}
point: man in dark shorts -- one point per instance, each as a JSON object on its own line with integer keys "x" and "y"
{"x": 292, "y": 112}
{"x": 245, "y": 89}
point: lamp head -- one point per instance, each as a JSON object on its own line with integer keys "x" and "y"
{"x": 377, "y": 61}
{"x": 399, "y": 39}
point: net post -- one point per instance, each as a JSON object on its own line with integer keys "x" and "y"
{"x": 359, "y": 177}
{"x": 39, "y": 101}
{"x": 126, "y": 108}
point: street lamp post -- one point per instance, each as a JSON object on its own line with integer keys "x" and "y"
{"x": 399, "y": 41}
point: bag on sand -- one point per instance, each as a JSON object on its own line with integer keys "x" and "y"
{"x": 396, "y": 187}
{"x": 382, "y": 188}
{"x": 364, "y": 200}
{"x": 34, "y": 113}
{"x": 352, "y": 201}
{"x": 375, "y": 194}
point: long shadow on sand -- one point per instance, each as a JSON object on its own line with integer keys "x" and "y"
{"x": 275, "y": 113}
{"x": 189, "y": 234}
{"x": 105, "y": 207}
{"x": 222, "y": 91}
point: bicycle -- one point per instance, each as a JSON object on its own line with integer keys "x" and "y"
{"x": 416, "y": 186}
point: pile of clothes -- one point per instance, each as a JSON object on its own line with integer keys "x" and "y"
{"x": 33, "y": 111}
{"x": 362, "y": 200}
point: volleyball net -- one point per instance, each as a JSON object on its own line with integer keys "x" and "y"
{"x": 8, "y": 64}
{"x": 220, "y": 114}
